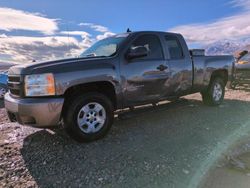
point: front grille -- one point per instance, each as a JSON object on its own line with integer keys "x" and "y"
{"x": 14, "y": 84}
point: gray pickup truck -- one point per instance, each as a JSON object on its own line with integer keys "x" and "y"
{"x": 121, "y": 71}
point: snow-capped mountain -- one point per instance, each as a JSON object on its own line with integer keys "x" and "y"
{"x": 228, "y": 47}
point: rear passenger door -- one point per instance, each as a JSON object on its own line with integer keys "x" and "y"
{"x": 180, "y": 65}
{"x": 145, "y": 77}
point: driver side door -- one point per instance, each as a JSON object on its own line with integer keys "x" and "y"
{"x": 145, "y": 77}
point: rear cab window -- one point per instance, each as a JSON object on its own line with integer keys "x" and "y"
{"x": 174, "y": 47}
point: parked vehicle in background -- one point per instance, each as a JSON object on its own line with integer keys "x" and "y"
{"x": 242, "y": 71}
{"x": 240, "y": 54}
{"x": 4, "y": 77}
{"x": 3, "y": 83}
{"x": 121, "y": 71}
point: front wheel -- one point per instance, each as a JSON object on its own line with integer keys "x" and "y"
{"x": 214, "y": 95}
{"x": 89, "y": 117}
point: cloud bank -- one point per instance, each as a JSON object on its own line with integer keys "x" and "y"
{"x": 52, "y": 44}
{"x": 12, "y": 19}
{"x": 26, "y": 49}
{"x": 233, "y": 27}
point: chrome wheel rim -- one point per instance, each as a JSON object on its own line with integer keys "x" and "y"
{"x": 217, "y": 93}
{"x": 91, "y": 117}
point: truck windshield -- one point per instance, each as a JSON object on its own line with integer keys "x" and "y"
{"x": 104, "y": 48}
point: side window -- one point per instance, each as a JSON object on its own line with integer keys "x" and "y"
{"x": 174, "y": 47}
{"x": 152, "y": 43}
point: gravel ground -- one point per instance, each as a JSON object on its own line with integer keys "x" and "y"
{"x": 168, "y": 146}
{"x": 232, "y": 169}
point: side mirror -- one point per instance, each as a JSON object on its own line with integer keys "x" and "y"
{"x": 138, "y": 51}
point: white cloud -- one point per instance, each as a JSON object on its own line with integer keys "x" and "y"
{"x": 3, "y": 35}
{"x": 95, "y": 27}
{"x": 244, "y": 4}
{"x": 233, "y": 27}
{"x": 79, "y": 33}
{"x": 104, "y": 30}
{"x": 12, "y": 19}
{"x": 104, "y": 35}
{"x": 26, "y": 49}
{"x": 86, "y": 37}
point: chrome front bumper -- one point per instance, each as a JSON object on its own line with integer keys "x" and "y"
{"x": 37, "y": 112}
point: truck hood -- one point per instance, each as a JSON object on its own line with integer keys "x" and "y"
{"x": 57, "y": 66}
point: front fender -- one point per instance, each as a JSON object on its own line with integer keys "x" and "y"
{"x": 64, "y": 81}
{"x": 69, "y": 79}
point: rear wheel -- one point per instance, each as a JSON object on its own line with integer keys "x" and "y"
{"x": 89, "y": 117}
{"x": 214, "y": 95}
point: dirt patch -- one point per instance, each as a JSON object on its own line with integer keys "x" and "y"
{"x": 233, "y": 169}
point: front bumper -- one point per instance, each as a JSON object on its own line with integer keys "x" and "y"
{"x": 37, "y": 112}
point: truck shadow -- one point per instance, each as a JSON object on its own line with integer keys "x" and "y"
{"x": 53, "y": 159}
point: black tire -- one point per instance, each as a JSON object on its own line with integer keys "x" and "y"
{"x": 72, "y": 114}
{"x": 208, "y": 97}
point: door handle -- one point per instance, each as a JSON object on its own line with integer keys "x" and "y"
{"x": 162, "y": 67}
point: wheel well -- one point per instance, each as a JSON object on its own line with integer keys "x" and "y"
{"x": 104, "y": 87}
{"x": 221, "y": 74}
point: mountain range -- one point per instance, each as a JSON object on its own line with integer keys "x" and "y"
{"x": 226, "y": 47}
{"x": 222, "y": 47}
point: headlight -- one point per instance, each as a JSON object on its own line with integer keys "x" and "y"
{"x": 39, "y": 85}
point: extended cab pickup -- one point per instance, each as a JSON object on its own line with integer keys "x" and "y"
{"x": 121, "y": 71}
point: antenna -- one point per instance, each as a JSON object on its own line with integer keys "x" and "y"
{"x": 67, "y": 36}
{"x": 128, "y": 30}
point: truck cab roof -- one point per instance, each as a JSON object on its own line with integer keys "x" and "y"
{"x": 150, "y": 32}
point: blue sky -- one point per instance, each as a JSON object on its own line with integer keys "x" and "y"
{"x": 41, "y": 28}
{"x": 118, "y": 15}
